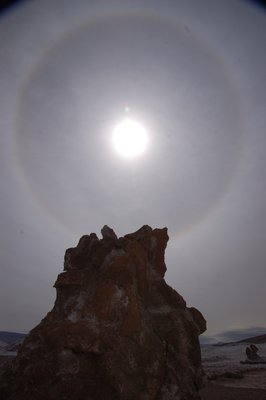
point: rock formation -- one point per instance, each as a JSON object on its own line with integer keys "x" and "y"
{"x": 252, "y": 356}
{"x": 117, "y": 330}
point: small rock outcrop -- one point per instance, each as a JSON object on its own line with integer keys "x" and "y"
{"x": 253, "y": 356}
{"x": 117, "y": 330}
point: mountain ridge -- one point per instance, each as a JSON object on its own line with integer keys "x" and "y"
{"x": 255, "y": 339}
{"x": 10, "y": 337}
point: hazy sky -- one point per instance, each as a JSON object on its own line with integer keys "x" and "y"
{"x": 194, "y": 74}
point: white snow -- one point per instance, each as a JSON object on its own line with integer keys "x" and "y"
{"x": 217, "y": 360}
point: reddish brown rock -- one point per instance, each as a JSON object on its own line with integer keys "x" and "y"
{"x": 117, "y": 330}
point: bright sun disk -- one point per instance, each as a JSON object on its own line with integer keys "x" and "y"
{"x": 130, "y": 138}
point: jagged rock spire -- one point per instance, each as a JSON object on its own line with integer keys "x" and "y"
{"x": 117, "y": 331}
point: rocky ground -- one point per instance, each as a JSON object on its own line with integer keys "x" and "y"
{"x": 228, "y": 379}
{"x": 220, "y": 392}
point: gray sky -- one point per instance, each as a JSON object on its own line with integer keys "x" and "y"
{"x": 193, "y": 72}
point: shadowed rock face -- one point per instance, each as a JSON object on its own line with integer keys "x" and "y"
{"x": 117, "y": 330}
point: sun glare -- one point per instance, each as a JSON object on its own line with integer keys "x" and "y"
{"x": 130, "y": 138}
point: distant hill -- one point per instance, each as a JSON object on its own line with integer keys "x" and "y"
{"x": 11, "y": 337}
{"x": 256, "y": 339}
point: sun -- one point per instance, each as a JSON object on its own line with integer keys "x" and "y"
{"x": 129, "y": 138}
